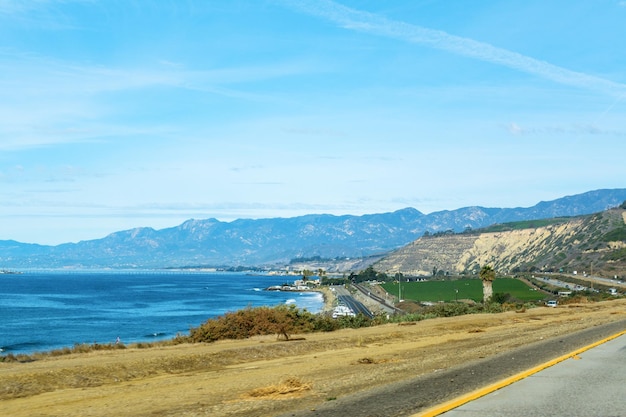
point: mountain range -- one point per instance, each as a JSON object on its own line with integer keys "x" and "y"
{"x": 248, "y": 242}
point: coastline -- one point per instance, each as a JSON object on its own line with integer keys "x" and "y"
{"x": 138, "y": 307}
{"x": 330, "y": 300}
{"x": 328, "y": 303}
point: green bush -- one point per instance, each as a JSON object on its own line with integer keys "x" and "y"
{"x": 614, "y": 235}
{"x": 492, "y": 308}
{"x": 449, "y": 309}
{"x": 356, "y": 322}
{"x": 411, "y": 317}
{"x": 325, "y": 323}
{"x": 501, "y": 297}
{"x": 616, "y": 255}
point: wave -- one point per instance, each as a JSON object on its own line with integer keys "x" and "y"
{"x": 316, "y": 296}
{"x": 157, "y": 334}
{"x": 24, "y": 346}
{"x": 291, "y": 301}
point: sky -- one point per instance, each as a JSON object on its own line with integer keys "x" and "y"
{"x": 116, "y": 114}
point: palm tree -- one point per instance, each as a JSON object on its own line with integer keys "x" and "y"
{"x": 487, "y": 275}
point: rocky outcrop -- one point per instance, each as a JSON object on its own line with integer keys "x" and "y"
{"x": 428, "y": 254}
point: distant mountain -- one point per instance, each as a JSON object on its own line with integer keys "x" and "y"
{"x": 266, "y": 241}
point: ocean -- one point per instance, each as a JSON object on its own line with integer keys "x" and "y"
{"x": 41, "y": 311}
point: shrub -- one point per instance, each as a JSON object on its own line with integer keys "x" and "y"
{"x": 324, "y": 323}
{"x": 411, "y": 317}
{"x": 493, "y": 308}
{"x": 256, "y": 321}
{"x": 448, "y": 309}
{"x": 618, "y": 234}
{"x": 501, "y": 297}
{"x": 9, "y": 357}
{"x": 355, "y": 322}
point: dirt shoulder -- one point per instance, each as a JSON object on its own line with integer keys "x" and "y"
{"x": 262, "y": 376}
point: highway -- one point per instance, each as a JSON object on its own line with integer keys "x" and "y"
{"x": 344, "y": 297}
{"x": 590, "y": 383}
{"x": 602, "y": 367}
{"x": 381, "y": 301}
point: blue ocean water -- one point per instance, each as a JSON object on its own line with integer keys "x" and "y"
{"x": 43, "y": 311}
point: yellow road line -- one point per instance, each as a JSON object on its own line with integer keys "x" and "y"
{"x": 457, "y": 402}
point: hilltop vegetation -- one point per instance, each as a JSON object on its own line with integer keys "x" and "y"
{"x": 525, "y": 224}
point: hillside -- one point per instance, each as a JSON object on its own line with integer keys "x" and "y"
{"x": 594, "y": 244}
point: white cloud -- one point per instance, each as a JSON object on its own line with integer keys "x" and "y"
{"x": 515, "y": 129}
{"x": 371, "y": 23}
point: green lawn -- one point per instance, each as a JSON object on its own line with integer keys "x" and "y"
{"x": 461, "y": 289}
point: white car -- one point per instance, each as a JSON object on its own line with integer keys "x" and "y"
{"x": 342, "y": 310}
{"x": 551, "y": 303}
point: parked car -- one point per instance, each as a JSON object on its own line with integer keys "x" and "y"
{"x": 551, "y": 303}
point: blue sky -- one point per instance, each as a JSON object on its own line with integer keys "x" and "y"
{"x": 117, "y": 114}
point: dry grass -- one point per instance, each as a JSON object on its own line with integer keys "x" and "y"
{"x": 289, "y": 386}
{"x": 372, "y": 361}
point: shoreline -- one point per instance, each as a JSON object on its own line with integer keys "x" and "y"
{"x": 329, "y": 299}
{"x": 327, "y": 305}
{"x": 69, "y": 308}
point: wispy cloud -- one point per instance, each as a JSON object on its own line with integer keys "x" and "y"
{"x": 46, "y": 101}
{"x": 42, "y": 14}
{"x": 18, "y": 7}
{"x": 38, "y": 73}
{"x": 35, "y": 74}
{"x": 576, "y": 129}
{"x": 378, "y": 25}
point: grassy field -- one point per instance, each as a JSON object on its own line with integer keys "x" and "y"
{"x": 461, "y": 289}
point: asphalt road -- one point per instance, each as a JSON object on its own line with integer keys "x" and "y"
{"x": 381, "y": 302}
{"x": 344, "y": 297}
{"x": 419, "y": 394}
{"x": 589, "y": 384}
